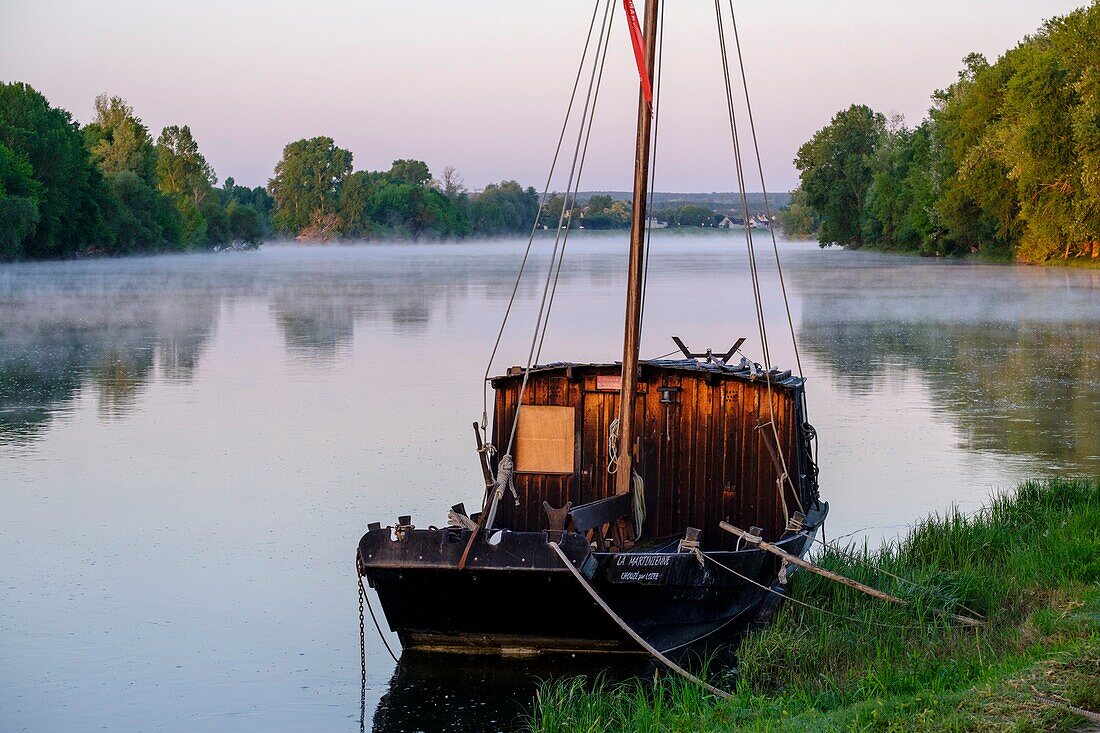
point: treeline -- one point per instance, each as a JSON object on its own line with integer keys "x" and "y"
{"x": 108, "y": 187}
{"x": 603, "y": 211}
{"x": 319, "y": 197}
{"x": 1007, "y": 163}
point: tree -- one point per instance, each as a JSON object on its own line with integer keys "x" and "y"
{"x": 182, "y": 171}
{"x": 451, "y": 183}
{"x": 354, "y": 203}
{"x": 691, "y": 215}
{"x": 835, "y": 172}
{"x": 599, "y": 203}
{"x": 71, "y": 194}
{"x": 410, "y": 171}
{"x": 307, "y": 182}
{"x": 551, "y": 212}
{"x": 245, "y": 223}
{"x": 119, "y": 142}
{"x": 19, "y": 196}
{"x": 503, "y": 208}
{"x": 143, "y": 219}
{"x": 798, "y": 218}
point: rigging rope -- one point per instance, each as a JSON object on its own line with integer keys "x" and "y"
{"x": 572, "y": 195}
{"x": 755, "y": 277}
{"x": 764, "y": 188}
{"x": 535, "y": 224}
{"x": 557, "y": 239}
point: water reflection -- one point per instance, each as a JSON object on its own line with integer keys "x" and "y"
{"x": 54, "y": 345}
{"x": 1011, "y": 355}
{"x": 480, "y": 693}
{"x": 212, "y": 434}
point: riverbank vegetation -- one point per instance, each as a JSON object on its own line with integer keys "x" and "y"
{"x": 1029, "y": 563}
{"x": 108, "y": 188}
{"x": 1007, "y": 164}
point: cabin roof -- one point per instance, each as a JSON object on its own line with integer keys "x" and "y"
{"x": 743, "y": 370}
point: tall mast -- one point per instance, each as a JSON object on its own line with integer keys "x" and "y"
{"x": 632, "y": 335}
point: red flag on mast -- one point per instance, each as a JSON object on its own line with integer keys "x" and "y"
{"x": 639, "y": 49}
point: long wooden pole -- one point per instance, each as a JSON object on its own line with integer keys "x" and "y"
{"x": 632, "y": 332}
{"x": 813, "y": 568}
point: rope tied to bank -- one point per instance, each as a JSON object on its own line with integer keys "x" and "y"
{"x": 633, "y": 634}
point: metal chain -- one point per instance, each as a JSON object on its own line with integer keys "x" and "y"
{"x": 362, "y": 655}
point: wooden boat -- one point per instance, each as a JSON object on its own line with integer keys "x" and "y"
{"x": 630, "y": 499}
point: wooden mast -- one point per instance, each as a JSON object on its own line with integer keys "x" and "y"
{"x": 629, "y": 388}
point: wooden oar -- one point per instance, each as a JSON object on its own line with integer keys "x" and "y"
{"x": 813, "y": 568}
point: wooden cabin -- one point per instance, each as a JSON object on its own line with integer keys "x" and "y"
{"x": 705, "y": 450}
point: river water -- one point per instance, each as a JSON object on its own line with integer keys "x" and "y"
{"x": 191, "y": 446}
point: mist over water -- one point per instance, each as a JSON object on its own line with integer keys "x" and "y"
{"x": 191, "y": 446}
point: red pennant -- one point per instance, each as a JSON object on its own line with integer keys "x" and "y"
{"x": 639, "y": 49}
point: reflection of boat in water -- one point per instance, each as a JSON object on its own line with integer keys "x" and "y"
{"x": 476, "y": 693}
{"x": 606, "y": 489}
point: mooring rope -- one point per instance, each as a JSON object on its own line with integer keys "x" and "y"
{"x": 1081, "y": 712}
{"x": 851, "y": 619}
{"x": 878, "y": 568}
{"x": 633, "y": 634}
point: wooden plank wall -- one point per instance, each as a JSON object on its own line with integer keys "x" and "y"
{"x": 703, "y": 458}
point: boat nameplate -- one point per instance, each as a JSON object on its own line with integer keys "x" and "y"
{"x": 609, "y": 382}
{"x": 641, "y": 568}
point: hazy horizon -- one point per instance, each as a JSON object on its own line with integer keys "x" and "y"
{"x": 483, "y": 87}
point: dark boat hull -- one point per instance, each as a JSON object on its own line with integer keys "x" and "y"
{"x": 515, "y": 597}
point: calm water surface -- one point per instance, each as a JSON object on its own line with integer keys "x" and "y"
{"x": 190, "y": 447}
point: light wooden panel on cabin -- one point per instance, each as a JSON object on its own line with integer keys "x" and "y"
{"x": 544, "y": 439}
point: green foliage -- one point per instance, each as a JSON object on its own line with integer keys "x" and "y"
{"x": 70, "y": 191}
{"x": 551, "y": 213}
{"x": 246, "y": 224}
{"x": 798, "y": 218}
{"x": 182, "y": 171}
{"x": 503, "y": 208}
{"x": 413, "y": 172}
{"x": 193, "y": 223}
{"x": 307, "y": 180}
{"x": 691, "y": 215}
{"x": 19, "y": 197}
{"x": 1027, "y": 563}
{"x": 355, "y": 204}
{"x": 142, "y": 218}
{"x": 836, "y": 172}
{"x": 1006, "y": 165}
{"x": 107, "y": 188}
{"x": 217, "y": 221}
{"x": 119, "y": 142}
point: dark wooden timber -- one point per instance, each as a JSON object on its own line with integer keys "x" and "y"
{"x": 632, "y": 332}
{"x": 702, "y": 458}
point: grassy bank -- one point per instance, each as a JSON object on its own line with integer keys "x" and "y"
{"x": 1029, "y": 563}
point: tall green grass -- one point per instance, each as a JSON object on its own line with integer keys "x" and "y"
{"x": 1029, "y": 563}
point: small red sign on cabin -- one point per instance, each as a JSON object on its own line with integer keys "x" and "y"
{"x": 609, "y": 382}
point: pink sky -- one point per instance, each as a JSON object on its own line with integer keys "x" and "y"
{"x": 482, "y": 84}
